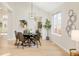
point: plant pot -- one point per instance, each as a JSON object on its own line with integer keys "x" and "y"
{"x": 47, "y": 37}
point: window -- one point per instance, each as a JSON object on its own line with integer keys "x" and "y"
{"x": 3, "y": 21}
{"x": 3, "y": 25}
{"x": 56, "y": 23}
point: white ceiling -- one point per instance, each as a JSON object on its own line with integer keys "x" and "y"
{"x": 48, "y": 6}
{"x": 45, "y": 6}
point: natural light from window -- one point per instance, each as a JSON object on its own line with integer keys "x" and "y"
{"x": 56, "y": 24}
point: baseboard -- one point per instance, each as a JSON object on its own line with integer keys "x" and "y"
{"x": 61, "y": 47}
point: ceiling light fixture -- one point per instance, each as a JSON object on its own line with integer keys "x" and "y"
{"x": 32, "y": 17}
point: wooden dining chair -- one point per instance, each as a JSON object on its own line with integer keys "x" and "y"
{"x": 19, "y": 39}
{"x": 37, "y": 38}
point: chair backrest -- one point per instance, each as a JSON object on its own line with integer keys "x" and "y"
{"x": 38, "y": 35}
{"x": 21, "y": 37}
{"x": 25, "y": 32}
{"x": 16, "y": 34}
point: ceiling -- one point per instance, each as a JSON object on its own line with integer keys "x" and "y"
{"x": 45, "y": 6}
{"x": 48, "y": 6}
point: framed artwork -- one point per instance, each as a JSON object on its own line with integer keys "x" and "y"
{"x": 70, "y": 13}
{"x": 71, "y": 22}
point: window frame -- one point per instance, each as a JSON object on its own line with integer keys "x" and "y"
{"x": 55, "y": 25}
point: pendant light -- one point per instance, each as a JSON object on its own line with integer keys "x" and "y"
{"x": 32, "y": 17}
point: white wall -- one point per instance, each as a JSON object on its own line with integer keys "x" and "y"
{"x": 64, "y": 41}
{"x": 20, "y": 12}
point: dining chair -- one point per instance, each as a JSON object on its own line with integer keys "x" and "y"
{"x": 20, "y": 41}
{"x": 17, "y": 38}
{"x": 38, "y": 37}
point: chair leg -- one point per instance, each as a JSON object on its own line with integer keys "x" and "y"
{"x": 22, "y": 45}
{"x": 29, "y": 42}
{"x": 33, "y": 41}
{"x": 17, "y": 45}
{"x": 39, "y": 42}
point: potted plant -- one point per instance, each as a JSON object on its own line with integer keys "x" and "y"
{"x": 23, "y": 23}
{"x": 47, "y": 26}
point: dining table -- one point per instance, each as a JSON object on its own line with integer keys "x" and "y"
{"x": 30, "y": 38}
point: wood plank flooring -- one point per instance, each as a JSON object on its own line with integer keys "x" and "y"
{"x": 47, "y": 48}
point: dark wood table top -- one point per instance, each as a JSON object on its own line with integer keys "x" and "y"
{"x": 29, "y": 35}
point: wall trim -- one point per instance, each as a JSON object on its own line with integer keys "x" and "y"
{"x": 60, "y": 46}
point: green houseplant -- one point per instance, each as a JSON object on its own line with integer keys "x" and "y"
{"x": 23, "y": 23}
{"x": 47, "y": 27}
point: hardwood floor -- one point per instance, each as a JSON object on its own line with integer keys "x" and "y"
{"x": 47, "y": 48}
